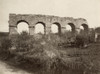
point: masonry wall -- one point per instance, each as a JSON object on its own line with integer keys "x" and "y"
{"x": 47, "y": 20}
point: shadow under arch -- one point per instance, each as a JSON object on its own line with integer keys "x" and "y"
{"x": 21, "y": 21}
{"x": 85, "y": 26}
{"x": 72, "y": 27}
{"x": 84, "y": 29}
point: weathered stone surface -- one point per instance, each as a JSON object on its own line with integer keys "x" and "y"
{"x": 47, "y": 20}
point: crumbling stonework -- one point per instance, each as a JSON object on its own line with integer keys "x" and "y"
{"x": 47, "y": 21}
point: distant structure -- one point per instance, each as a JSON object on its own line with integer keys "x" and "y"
{"x": 97, "y": 34}
{"x": 47, "y": 21}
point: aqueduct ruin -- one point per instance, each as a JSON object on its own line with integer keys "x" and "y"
{"x": 46, "y": 21}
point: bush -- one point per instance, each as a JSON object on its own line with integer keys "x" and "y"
{"x": 42, "y": 50}
{"x": 6, "y": 44}
{"x": 23, "y": 42}
{"x": 92, "y": 36}
{"x": 67, "y": 39}
{"x": 82, "y": 40}
{"x": 68, "y": 36}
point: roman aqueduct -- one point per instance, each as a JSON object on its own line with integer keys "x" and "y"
{"x": 46, "y": 21}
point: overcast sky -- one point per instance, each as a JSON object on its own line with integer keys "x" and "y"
{"x": 88, "y": 9}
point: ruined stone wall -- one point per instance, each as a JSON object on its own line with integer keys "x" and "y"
{"x": 47, "y": 20}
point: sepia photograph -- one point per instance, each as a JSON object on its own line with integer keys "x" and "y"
{"x": 49, "y": 36}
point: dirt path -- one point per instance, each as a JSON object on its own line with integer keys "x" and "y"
{"x": 6, "y": 69}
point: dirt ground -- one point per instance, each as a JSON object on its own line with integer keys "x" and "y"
{"x": 6, "y": 69}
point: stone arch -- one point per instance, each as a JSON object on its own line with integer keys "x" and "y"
{"x": 22, "y": 21}
{"x": 40, "y": 27}
{"x": 85, "y": 27}
{"x": 72, "y": 26}
{"x": 57, "y": 27}
{"x": 22, "y": 27}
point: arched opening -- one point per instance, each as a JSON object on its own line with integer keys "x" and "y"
{"x": 22, "y": 26}
{"x": 70, "y": 27}
{"x": 81, "y": 27}
{"x": 56, "y": 28}
{"x": 84, "y": 27}
{"x": 40, "y": 28}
